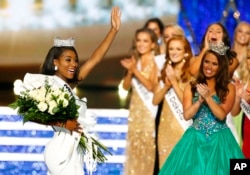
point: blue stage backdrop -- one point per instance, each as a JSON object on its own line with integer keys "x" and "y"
{"x": 22, "y": 146}
{"x": 196, "y": 15}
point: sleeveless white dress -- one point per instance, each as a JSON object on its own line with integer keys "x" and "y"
{"x": 61, "y": 155}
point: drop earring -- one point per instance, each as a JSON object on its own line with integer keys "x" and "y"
{"x": 185, "y": 55}
{"x": 56, "y": 68}
{"x": 170, "y": 62}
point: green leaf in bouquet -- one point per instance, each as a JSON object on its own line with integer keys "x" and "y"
{"x": 55, "y": 110}
{"x": 13, "y": 105}
{"x": 97, "y": 147}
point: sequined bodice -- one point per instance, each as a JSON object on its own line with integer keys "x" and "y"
{"x": 205, "y": 121}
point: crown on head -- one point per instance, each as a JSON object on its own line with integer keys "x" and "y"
{"x": 220, "y": 48}
{"x": 58, "y": 42}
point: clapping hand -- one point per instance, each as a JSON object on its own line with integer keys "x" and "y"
{"x": 167, "y": 82}
{"x": 203, "y": 90}
{"x": 129, "y": 63}
{"x": 246, "y": 95}
{"x": 239, "y": 88}
{"x": 170, "y": 73}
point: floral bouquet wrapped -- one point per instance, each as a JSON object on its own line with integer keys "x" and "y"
{"x": 44, "y": 104}
{"x": 47, "y": 102}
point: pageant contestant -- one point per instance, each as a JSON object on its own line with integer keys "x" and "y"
{"x": 51, "y": 91}
{"x": 208, "y": 144}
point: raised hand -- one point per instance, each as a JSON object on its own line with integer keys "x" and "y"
{"x": 116, "y": 18}
{"x": 206, "y": 42}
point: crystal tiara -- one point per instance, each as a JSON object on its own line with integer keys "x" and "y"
{"x": 220, "y": 48}
{"x": 64, "y": 42}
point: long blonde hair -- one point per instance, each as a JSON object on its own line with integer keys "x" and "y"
{"x": 178, "y": 30}
{"x": 153, "y": 37}
{"x": 244, "y": 72}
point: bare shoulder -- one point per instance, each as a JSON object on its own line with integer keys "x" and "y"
{"x": 187, "y": 87}
{"x": 231, "y": 86}
{"x": 231, "y": 89}
{"x": 192, "y": 60}
{"x": 187, "y": 91}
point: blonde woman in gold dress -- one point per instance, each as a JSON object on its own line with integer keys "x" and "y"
{"x": 174, "y": 77}
{"x": 141, "y": 76}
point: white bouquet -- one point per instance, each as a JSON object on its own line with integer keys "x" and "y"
{"x": 49, "y": 102}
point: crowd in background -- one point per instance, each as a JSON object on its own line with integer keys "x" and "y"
{"x": 184, "y": 107}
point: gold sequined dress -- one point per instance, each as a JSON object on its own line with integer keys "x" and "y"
{"x": 140, "y": 148}
{"x": 169, "y": 130}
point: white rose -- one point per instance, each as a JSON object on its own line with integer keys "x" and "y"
{"x": 19, "y": 90}
{"x": 18, "y": 83}
{"x": 42, "y": 91}
{"x": 62, "y": 100}
{"x": 33, "y": 93}
{"x": 40, "y": 98}
{"x": 52, "y": 105}
{"x": 48, "y": 97}
{"x": 42, "y": 106}
{"x": 36, "y": 95}
{"x": 39, "y": 94}
{"x": 18, "y": 87}
{"x": 65, "y": 103}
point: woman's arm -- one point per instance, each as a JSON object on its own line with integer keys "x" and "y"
{"x": 160, "y": 92}
{"x": 100, "y": 51}
{"x": 127, "y": 63}
{"x": 236, "y": 107}
{"x": 219, "y": 110}
{"x": 127, "y": 80}
{"x": 190, "y": 108}
{"x": 171, "y": 74}
{"x": 148, "y": 83}
{"x": 71, "y": 125}
{"x": 195, "y": 63}
{"x": 130, "y": 65}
